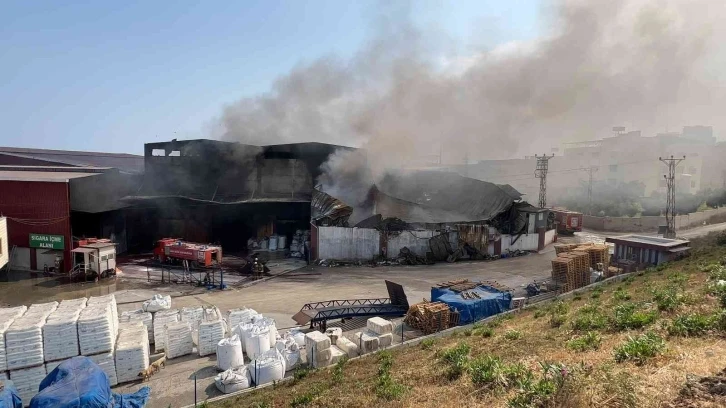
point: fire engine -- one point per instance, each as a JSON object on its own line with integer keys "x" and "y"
{"x": 174, "y": 250}
{"x": 568, "y": 222}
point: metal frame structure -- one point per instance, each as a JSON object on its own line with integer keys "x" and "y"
{"x": 672, "y": 163}
{"x": 541, "y": 173}
{"x": 320, "y": 312}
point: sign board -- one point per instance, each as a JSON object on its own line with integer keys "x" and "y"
{"x": 47, "y": 241}
{"x": 179, "y": 251}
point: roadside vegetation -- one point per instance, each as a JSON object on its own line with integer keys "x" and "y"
{"x": 627, "y": 344}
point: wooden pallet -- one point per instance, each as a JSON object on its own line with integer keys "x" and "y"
{"x": 429, "y": 317}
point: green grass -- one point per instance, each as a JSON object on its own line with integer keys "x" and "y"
{"x": 668, "y": 299}
{"x": 691, "y": 325}
{"x": 387, "y": 387}
{"x": 428, "y": 344}
{"x": 485, "y": 331}
{"x": 621, "y": 295}
{"x": 337, "y": 372}
{"x": 627, "y": 316}
{"x": 639, "y": 349}
{"x": 457, "y": 359}
{"x": 588, "y": 341}
{"x": 486, "y": 371}
{"x": 513, "y": 335}
{"x": 589, "y": 317}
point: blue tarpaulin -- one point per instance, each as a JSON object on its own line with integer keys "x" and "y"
{"x": 471, "y": 310}
{"x": 9, "y": 397}
{"x": 79, "y": 382}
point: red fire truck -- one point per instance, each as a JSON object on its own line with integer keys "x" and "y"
{"x": 174, "y": 250}
{"x": 568, "y": 222}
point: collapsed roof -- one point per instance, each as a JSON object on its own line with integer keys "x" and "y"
{"x": 432, "y": 197}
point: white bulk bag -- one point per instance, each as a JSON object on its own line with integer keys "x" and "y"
{"x": 233, "y": 380}
{"x": 298, "y": 336}
{"x": 290, "y": 352}
{"x": 157, "y": 303}
{"x": 258, "y": 342}
{"x": 243, "y": 331}
{"x": 267, "y": 368}
{"x": 270, "y": 325}
{"x": 229, "y": 353}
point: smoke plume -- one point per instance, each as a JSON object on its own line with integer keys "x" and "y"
{"x": 647, "y": 65}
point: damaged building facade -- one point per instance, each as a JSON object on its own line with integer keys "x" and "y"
{"x": 424, "y": 216}
{"x": 227, "y": 193}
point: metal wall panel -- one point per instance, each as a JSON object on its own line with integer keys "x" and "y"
{"x": 36, "y": 207}
{"x": 348, "y": 243}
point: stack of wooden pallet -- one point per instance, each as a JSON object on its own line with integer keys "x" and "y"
{"x": 562, "y": 270}
{"x": 430, "y": 317}
{"x": 611, "y": 271}
{"x": 563, "y": 248}
{"x": 599, "y": 254}
{"x": 458, "y": 285}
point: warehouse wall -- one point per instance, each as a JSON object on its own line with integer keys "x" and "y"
{"x": 416, "y": 241}
{"x": 36, "y": 207}
{"x": 4, "y": 249}
{"x": 348, "y": 243}
{"x": 650, "y": 224}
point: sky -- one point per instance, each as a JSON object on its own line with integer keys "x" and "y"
{"x": 111, "y": 76}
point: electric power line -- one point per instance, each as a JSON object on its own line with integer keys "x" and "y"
{"x": 672, "y": 163}
{"x": 541, "y": 173}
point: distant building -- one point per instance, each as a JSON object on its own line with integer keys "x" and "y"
{"x": 646, "y": 250}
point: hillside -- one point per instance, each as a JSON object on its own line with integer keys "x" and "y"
{"x": 626, "y": 344}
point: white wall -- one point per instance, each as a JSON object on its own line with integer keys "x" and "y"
{"x": 550, "y": 237}
{"x": 527, "y": 242}
{"x": 348, "y": 243}
{"x": 4, "y": 249}
{"x": 416, "y": 241}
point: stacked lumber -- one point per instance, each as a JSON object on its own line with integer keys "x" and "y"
{"x": 458, "y": 285}
{"x": 496, "y": 285}
{"x": 429, "y": 317}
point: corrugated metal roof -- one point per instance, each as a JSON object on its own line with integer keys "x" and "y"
{"x": 123, "y": 161}
{"x": 47, "y": 176}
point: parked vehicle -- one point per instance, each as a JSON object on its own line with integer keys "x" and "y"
{"x": 568, "y": 222}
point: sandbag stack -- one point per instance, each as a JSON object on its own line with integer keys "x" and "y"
{"x": 7, "y": 317}
{"x": 178, "y": 339}
{"x": 210, "y": 334}
{"x": 24, "y": 337}
{"x": 236, "y": 317}
{"x": 317, "y": 347}
{"x": 96, "y": 330}
{"x": 140, "y": 316}
{"x": 161, "y": 319}
{"x": 107, "y": 362}
{"x": 111, "y": 301}
{"x": 60, "y": 332}
{"x": 132, "y": 351}
{"x": 27, "y": 381}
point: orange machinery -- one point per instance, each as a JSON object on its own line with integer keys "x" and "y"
{"x": 175, "y": 249}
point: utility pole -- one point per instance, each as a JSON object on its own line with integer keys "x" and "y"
{"x": 541, "y": 173}
{"x": 672, "y": 163}
{"x": 591, "y": 170}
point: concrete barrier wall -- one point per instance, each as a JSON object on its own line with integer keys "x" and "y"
{"x": 650, "y": 224}
{"x": 348, "y": 243}
{"x": 416, "y": 241}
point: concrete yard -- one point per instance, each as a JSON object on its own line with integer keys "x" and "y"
{"x": 279, "y": 297}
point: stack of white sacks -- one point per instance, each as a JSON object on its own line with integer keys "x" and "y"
{"x": 107, "y": 362}
{"x": 140, "y": 316}
{"x": 237, "y": 316}
{"x": 24, "y": 337}
{"x": 210, "y": 334}
{"x": 107, "y": 300}
{"x": 178, "y": 339}
{"x": 27, "y": 381}
{"x": 96, "y": 329}
{"x": 132, "y": 351}
{"x": 60, "y": 332}
{"x": 193, "y": 316}
{"x": 7, "y": 317}
{"x": 24, "y": 349}
{"x": 161, "y": 319}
